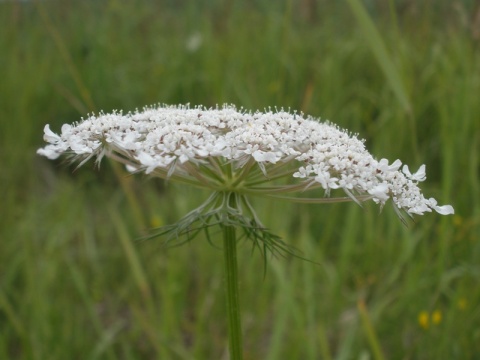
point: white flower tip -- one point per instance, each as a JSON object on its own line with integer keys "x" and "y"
{"x": 49, "y": 135}
{"x": 395, "y": 165}
{"x": 51, "y": 154}
{"x": 131, "y": 168}
{"x": 66, "y": 128}
{"x": 421, "y": 172}
{"x": 263, "y": 156}
{"x": 380, "y": 192}
{"x": 419, "y": 176}
{"x": 147, "y": 161}
{"x": 384, "y": 167}
{"x": 444, "y": 210}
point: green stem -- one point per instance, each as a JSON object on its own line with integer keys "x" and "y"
{"x": 231, "y": 287}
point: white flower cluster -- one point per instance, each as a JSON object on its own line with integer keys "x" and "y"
{"x": 198, "y": 144}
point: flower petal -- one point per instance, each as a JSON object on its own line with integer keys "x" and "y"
{"x": 49, "y": 135}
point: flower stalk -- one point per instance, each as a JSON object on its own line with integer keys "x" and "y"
{"x": 232, "y": 293}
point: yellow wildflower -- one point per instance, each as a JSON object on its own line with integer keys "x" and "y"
{"x": 424, "y": 320}
{"x": 436, "y": 317}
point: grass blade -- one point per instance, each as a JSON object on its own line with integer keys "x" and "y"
{"x": 384, "y": 59}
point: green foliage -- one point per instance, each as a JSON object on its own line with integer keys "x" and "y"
{"x": 73, "y": 285}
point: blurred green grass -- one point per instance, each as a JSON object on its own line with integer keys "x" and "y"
{"x": 75, "y": 285}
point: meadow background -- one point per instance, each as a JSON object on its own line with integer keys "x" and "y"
{"x": 75, "y": 283}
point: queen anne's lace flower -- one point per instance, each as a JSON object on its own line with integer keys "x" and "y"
{"x": 225, "y": 149}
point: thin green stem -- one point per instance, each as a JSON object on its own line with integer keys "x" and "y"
{"x": 231, "y": 287}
